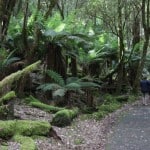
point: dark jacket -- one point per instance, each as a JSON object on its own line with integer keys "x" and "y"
{"x": 145, "y": 86}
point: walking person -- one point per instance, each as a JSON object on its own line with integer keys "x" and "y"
{"x": 145, "y": 89}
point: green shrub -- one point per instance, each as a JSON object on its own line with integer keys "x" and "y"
{"x": 132, "y": 98}
{"x": 122, "y": 98}
{"x": 109, "y": 98}
{"x": 27, "y": 143}
{"x": 64, "y": 117}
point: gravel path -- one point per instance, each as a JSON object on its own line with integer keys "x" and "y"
{"x": 132, "y": 132}
{"x": 83, "y": 134}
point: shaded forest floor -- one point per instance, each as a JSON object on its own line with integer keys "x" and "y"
{"x": 83, "y": 134}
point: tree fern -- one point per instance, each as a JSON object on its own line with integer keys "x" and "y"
{"x": 59, "y": 92}
{"x": 56, "y": 77}
{"x": 48, "y": 86}
{"x": 88, "y": 84}
{"x": 73, "y": 86}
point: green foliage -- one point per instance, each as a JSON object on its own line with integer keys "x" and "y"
{"x": 109, "y": 107}
{"x": 60, "y": 87}
{"x": 108, "y": 98}
{"x": 64, "y": 117}
{"x": 122, "y": 98}
{"x": 132, "y": 98}
{"x": 27, "y": 143}
{"x": 47, "y": 87}
{"x": 56, "y": 77}
{"x": 6, "y": 59}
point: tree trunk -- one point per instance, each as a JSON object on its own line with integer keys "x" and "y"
{"x": 121, "y": 76}
{"x": 146, "y": 27}
{"x": 73, "y": 66}
{"x": 6, "y": 8}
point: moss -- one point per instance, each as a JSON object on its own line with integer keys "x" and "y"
{"x": 45, "y": 107}
{"x": 7, "y": 129}
{"x": 23, "y": 127}
{"x": 27, "y": 143}
{"x": 3, "y": 147}
{"x": 29, "y": 128}
{"x": 7, "y": 96}
{"x": 64, "y": 117}
{"x": 31, "y": 99}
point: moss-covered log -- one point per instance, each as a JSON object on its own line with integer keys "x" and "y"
{"x": 64, "y": 117}
{"x": 32, "y": 101}
{"x": 27, "y": 143}
{"x": 45, "y": 107}
{"x": 23, "y": 127}
{"x": 16, "y": 76}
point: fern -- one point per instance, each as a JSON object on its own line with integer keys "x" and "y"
{"x": 59, "y": 92}
{"x": 72, "y": 79}
{"x": 48, "y": 86}
{"x": 73, "y": 86}
{"x": 56, "y": 77}
{"x": 88, "y": 84}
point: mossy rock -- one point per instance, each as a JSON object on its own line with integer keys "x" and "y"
{"x": 3, "y": 147}
{"x": 27, "y": 143}
{"x": 23, "y": 127}
{"x": 64, "y": 117}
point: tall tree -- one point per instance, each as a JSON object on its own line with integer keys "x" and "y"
{"x": 6, "y": 8}
{"x": 145, "y": 10}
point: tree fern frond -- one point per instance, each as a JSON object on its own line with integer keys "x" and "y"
{"x": 48, "y": 86}
{"x": 56, "y": 77}
{"x": 72, "y": 79}
{"x": 59, "y": 92}
{"x": 73, "y": 86}
{"x": 88, "y": 84}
